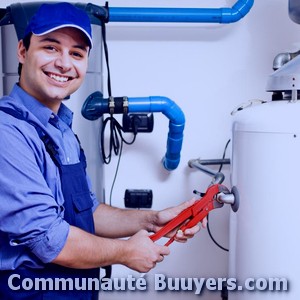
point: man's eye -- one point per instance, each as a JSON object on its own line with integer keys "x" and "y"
{"x": 77, "y": 54}
{"x": 50, "y": 48}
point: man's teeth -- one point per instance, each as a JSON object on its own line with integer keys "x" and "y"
{"x": 58, "y": 78}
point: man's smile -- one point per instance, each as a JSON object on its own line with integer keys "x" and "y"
{"x": 59, "y": 78}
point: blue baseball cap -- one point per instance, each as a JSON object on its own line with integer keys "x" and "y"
{"x": 53, "y": 16}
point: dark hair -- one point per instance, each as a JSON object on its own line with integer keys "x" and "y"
{"x": 26, "y": 43}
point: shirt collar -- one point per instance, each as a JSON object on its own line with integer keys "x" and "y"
{"x": 65, "y": 114}
{"x": 40, "y": 111}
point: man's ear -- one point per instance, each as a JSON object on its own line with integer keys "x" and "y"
{"x": 21, "y": 52}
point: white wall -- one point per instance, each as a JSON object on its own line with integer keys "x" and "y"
{"x": 207, "y": 69}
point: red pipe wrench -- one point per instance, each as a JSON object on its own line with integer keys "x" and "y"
{"x": 194, "y": 214}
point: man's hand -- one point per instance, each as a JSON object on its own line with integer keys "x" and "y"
{"x": 166, "y": 215}
{"x": 141, "y": 254}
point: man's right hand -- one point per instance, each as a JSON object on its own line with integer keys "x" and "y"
{"x": 141, "y": 254}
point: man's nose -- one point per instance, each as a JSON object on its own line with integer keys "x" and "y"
{"x": 63, "y": 62}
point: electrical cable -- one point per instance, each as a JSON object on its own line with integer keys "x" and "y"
{"x": 119, "y": 149}
{"x": 210, "y": 235}
{"x": 208, "y": 228}
{"x": 116, "y": 136}
{"x": 103, "y": 29}
{"x": 116, "y": 174}
{"x": 224, "y": 153}
{"x": 115, "y": 139}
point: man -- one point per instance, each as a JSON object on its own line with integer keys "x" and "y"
{"x": 51, "y": 225}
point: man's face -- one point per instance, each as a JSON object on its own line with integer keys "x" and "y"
{"x": 54, "y": 66}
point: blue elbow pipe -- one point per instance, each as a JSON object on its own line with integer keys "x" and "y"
{"x": 180, "y": 15}
{"x": 95, "y": 106}
{"x": 176, "y": 124}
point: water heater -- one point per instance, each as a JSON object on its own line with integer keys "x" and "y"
{"x": 264, "y": 243}
{"x": 264, "y": 232}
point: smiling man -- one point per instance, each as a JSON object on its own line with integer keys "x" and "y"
{"x": 51, "y": 225}
{"x": 56, "y": 62}
{"x": 57, "y": 59}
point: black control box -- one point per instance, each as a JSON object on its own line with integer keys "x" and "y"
{"x": 137, "y": 122}
{"x": 135, "y": 198}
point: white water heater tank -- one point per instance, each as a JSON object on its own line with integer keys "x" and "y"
{"x": 265, "y": 231}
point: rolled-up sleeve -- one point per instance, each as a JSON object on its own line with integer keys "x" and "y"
{"x": 31, "y": 211}
{"x": 49, "y": 244}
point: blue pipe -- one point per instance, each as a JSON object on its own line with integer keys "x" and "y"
{"x": 187, "y": 15}
{"x": 176, "y": 124}
{"x": 95, "y": 106}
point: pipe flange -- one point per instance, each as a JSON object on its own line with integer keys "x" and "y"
{"x": 235, "y": 206}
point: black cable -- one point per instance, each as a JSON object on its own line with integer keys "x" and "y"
{"x": 209, "y": 233}
{"x": 208, "y": 228}
{"x": 106, "y": 58}
{"x": 224, "y": 153}
{"x": 115, "y": 138}
{"x": 116, "y": 173}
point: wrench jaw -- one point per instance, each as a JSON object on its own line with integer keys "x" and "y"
{"x": 223, "y": 189}
{"x": 217, "y": 202}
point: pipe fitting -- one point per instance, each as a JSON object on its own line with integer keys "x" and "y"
{"x": 283, "y": 58}
{"x": 217, "y": 177}
{"x": 237, "y": 12}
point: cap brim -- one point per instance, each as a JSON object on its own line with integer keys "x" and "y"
{"x": 67, "y": 25}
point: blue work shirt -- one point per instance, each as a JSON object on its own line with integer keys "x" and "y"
{"x": 32, "y": 228}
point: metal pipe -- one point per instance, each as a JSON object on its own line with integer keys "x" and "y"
{"x": 232, "y": 198}
{"x": 226, "y": 198}
{"x": 205, "y": 162}
{"x": 283, "y": 58}
{"x": 217, "y": 177}
{"x": 186, "y": 15}
{"x": 95, "y": 106}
